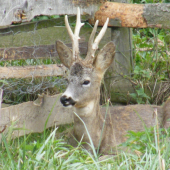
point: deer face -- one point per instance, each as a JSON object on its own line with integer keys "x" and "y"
{"x": 85, "y": 75}
{"x": 84, "y": 79}
{"x": 83, "y": 86}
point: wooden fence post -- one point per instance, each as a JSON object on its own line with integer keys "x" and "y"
{"x": 123, "y": 62}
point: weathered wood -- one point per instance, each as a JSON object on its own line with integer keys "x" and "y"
{"x": 45, "y": 36}
{"x": 23, "y": 11}
{"x": 34, "y": 37}
{"x": 17, "y": 53}
{"x": 32, "y": 71}
{"x": 35, "y": 43}
{"x": 122, "y": 63}
{"x": 134, "y": 15}
{"x": 30, "y": 26}
{"x": 31, "y": 117}
{"x": 120, "y": 14}
{"x": 41, "y": 51}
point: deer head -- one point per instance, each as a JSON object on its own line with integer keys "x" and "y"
{"x": 85, "y": 74}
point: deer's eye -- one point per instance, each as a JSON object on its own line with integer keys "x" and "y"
{"x": 86, "y": 82}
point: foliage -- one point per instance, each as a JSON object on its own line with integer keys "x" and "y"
{"x": 140, "y": 96}
{"x": 35, "y": 151}
{"x": 151, "y": 56}
{"x": 151, "y": 60}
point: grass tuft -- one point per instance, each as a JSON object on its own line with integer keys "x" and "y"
{"x": 145, "y": 150}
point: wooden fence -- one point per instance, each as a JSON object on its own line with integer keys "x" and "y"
{"x": 32, "y": 116}
{"x": 23, "y": 42}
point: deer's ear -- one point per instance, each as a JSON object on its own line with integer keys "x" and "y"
{"x": 65, "y": 54}
{"x": 105, "y": 57}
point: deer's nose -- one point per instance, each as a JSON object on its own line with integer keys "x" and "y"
{"x": 67, "y": 101}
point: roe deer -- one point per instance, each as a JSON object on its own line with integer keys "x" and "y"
{"x": 83, "y": 93}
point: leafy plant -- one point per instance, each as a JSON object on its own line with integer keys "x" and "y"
{"x": 151, "y": 60}
{"x": 140, "y": 96}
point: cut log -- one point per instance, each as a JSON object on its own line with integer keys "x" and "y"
{"x": 120, "y": 14}
{"x": 134, "y": 15}
{"x": 23, "y": 10}
{"x": 31, "y": 117}
{"x": 32, "y": 71}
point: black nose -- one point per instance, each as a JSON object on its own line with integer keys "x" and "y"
{"x": 67, "y": 101}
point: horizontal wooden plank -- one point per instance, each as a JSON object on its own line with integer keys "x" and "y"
{"x": 40, "y": 43}
{"x": 120, "y": 14}
{"x": 31, "y": 117}
{"x": 17, "y": 53}
{"x": 34, "y": 37}
{"x": 23, "y": 11}
{"x": 32, "y": 71}
{"x": 41, "y": 51}
{"x": 134, "y": 15}
{"x": 29, "y": 26}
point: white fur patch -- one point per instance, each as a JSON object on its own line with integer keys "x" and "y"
{"x": 85, "y": 111}
{"x": 67, "y": 93}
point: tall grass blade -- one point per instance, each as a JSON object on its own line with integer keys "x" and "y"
{"x": 91, "y": 142}
{"x": 45, "y": 126}
{"x": 41, "y": 153}
{"x": 8, "y": 152}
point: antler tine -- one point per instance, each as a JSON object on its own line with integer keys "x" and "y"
{"x": 90, "y": 53}
{"x": 78, "y": 24}
{"x": 68, "y": 28}
{"x": 93, "y": 46}
{"x": 75, "y": 37}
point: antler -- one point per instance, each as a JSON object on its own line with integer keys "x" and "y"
{"x": 93, "y": 44}
{"x": 75, "y": 37}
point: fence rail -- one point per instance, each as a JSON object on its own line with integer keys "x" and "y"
{"x": 32, "y": 52}
{"x": 32, "y": 71}
{"x": 31, "y": 117}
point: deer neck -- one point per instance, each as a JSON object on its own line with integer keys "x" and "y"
{"x": 89, "y": 111}
{"x": 93, "y": 120}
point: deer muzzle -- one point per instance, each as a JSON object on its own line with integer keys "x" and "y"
{"x": 67, "y": 101}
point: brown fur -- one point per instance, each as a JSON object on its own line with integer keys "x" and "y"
{"x": 119, "y": 120}
{"x": 166, "y": 113}
{"x": 85, "y": 98}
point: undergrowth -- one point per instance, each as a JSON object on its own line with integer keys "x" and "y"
{"x": 143, "y": 150}
{"x": 151, "y": 57}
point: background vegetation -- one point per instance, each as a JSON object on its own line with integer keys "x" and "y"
{"x": 143, "y": 150}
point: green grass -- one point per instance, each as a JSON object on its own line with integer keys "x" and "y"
{"x": 143, "y": 150}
